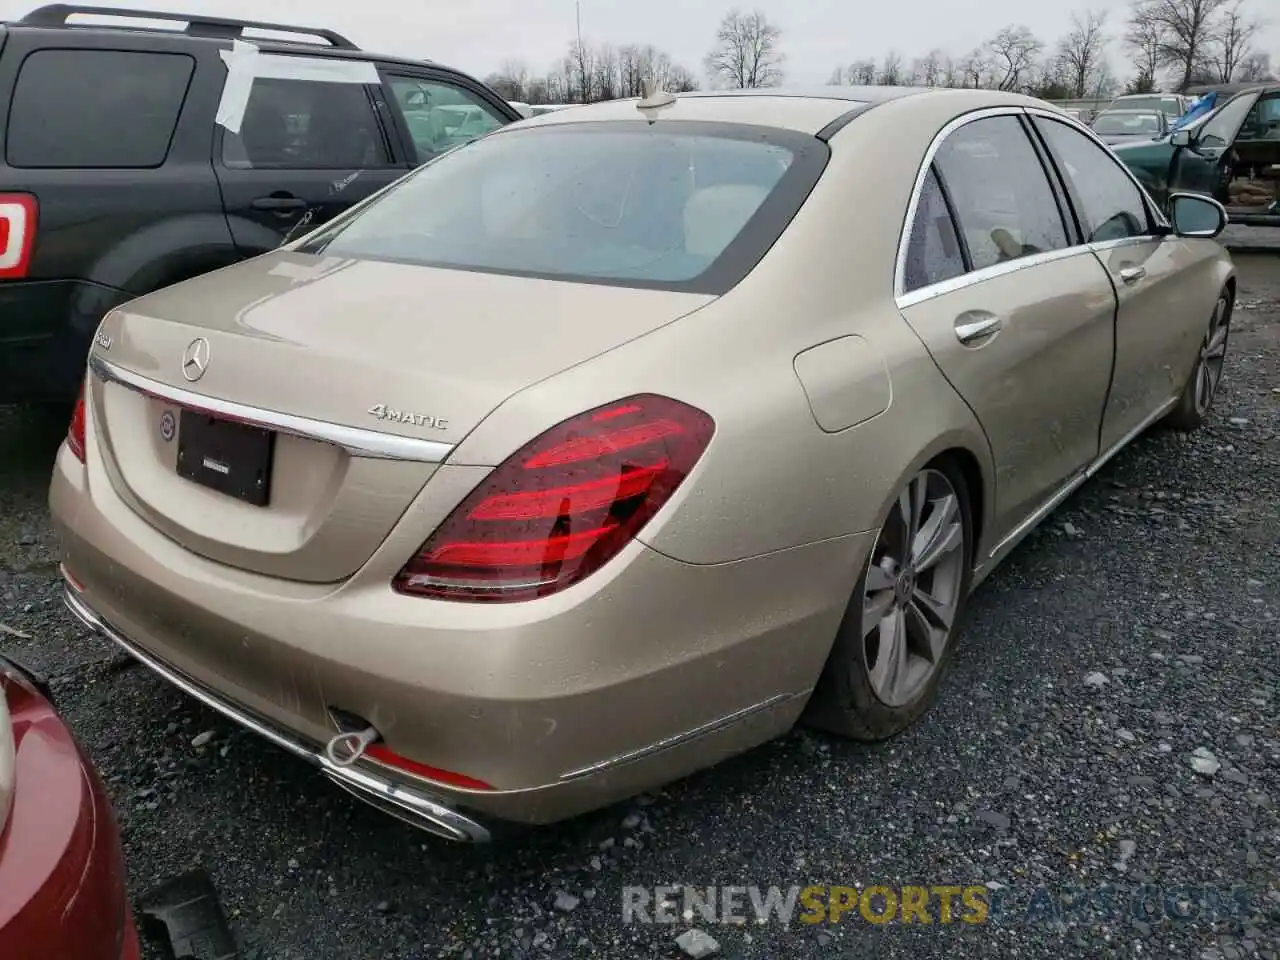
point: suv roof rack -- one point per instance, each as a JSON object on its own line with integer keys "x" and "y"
{"x": 58, "y": 15}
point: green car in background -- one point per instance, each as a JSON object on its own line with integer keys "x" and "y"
{"x": 1231, "y": 154}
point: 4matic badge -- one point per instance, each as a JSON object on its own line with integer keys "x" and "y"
{"x": 381, "y": 411}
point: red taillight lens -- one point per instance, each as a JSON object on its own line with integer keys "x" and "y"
{"x": 562, "y": 506}
{"x": 75, "y": 432}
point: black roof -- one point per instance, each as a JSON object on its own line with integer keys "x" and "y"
{"x": 1231, "y": 89}
{"x": 322, "y": 43}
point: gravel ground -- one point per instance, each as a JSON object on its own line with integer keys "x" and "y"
{"x": 1137, "y": 627}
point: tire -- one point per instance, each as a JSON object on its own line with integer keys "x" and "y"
{"x": 1206, "y": 376}
{"x": 855, "y": 696}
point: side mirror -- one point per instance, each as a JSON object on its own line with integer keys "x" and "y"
{"x": 1181, "y": 138}
{"x": 1197, "y": 216}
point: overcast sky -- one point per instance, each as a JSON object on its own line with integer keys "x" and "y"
{"x": 477, "y": 35}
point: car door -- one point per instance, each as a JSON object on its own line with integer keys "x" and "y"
{"x": 435, "y": 111}
{"x": 1254, "y": 190}
{"x": 1017, "y": 315}
{"x": 1202, "y": 166}
{"x": 307, "y": 145}
{"x": 1164, "y": 285}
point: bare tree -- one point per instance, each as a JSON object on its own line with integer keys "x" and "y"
{"x": 581, "y": 63}
{"x": 950, "y": 72}
{"x": 891, "y": 69}
{"x": 862, "y": 73}
{"x": 604, "y": 84}
{"x": 1232, "y": 40}
{"x": 973, "y": 69}
{"x": 1142, "y": 39}
{"x": 836, "y": 79}
{"x": 746, "y": 53}
{"x": 929, "y": 68}
{"x": 1082, "y": 52}
{"x": 1254, "y": 68}
{"x": 1013, "y": 53}
{"x": 1185, "y": 29}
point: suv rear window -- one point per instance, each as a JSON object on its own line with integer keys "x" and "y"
{"x": 678, "y": 205}
{"x": 96, "y": 108}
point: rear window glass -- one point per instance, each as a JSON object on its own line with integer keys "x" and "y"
{"x": 679, "y": 205}
{"x": 96, "y": 108}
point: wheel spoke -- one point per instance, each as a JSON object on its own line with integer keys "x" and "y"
{"x": 938, "y": 535}
{"x": 933, "y": 620}
{"x": 875, "y": 608}
{"x": 880, "y": 576}
{"x": 890, "y": 655}
{"x": 1203, "y": 387}
{"x": 1217, "y": 346}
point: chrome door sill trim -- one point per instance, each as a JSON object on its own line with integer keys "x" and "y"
{"x": 372, "y": 444}
{"x": 1076, "y": 482}
{"x": 680, "y": 738}
{"x": 406, "y": 804}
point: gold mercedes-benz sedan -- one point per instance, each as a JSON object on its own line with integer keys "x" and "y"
{"x": 619, "y": 440}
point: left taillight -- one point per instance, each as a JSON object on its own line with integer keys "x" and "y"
{"x": 75, "y": 432}
{"x": 562, "y": 506}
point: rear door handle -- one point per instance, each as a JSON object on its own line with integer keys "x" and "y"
{"x": 1133, "y": 274}
{"x": 279, "y": 204}
{"x": 975, "y": 326}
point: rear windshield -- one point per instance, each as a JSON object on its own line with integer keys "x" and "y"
{"x": 1163, "y": 104}
{"x": 1136, "y": 124}
{"x": 674, "y": 205}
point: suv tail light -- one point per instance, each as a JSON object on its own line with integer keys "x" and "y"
{"x": 75, "y": 432}
{"x": 18, "y": 213}
{"x": 563, "y": 505}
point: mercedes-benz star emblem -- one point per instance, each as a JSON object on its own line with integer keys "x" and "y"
{"x": 195, "y": 359}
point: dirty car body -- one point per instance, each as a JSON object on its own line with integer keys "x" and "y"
{"x": 609, "y": 445}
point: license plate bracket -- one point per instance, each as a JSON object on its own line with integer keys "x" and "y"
{"x": 233, "y": 458}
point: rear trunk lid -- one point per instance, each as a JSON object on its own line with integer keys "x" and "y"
{"x": 368, "y": 372}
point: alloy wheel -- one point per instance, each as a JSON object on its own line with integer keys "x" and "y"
{"x": 1213, "y": 354}
{"x": 913, "y": 588}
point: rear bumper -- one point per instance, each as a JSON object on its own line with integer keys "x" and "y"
{"x": 649, "y": 671}
{"x": 413, "y": 805}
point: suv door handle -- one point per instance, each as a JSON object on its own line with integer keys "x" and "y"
{"x": 278, "y": 204}
{"x": 975, "y": 325}
{"x": 1133, "y": 274}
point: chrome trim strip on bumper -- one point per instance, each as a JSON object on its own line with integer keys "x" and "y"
{"x": 680, "y": 738}
{"x": 406, "y": 804}
{"x": 355, "y": 441}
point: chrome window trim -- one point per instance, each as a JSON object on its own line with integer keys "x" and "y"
{"x": 1152, "y": 207}
{"x": 371, "y": 444}
{"x": 904, "y": 298}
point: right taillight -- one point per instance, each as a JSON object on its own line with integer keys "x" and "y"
{"x": 75, "y": 432}
{"x": 563, "y": 505}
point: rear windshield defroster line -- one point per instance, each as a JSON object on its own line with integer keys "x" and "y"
{"x": 679, "y": 205}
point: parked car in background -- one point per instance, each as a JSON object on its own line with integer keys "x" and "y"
{"x": 506, "y": 544}
{"x": 131, "y": 162}
{"x": 1124, "y": 126}
{"x": 1172, "y": 105}
{"x": 1231, "y": 154}
{"x": 62, "y": 876}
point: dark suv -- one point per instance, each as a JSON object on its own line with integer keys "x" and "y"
{"x": 135, "y": 156}
{"x": 1231, "y": 154}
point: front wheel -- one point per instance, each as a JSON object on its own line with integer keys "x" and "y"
{"x": 1202, "y": 386}
{"x": 896, "y": 639}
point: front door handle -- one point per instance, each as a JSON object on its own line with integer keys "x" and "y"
{"x": 1133, "y": 274}
{"x": 975, "y": 326}
{"x": 279, "y": 204}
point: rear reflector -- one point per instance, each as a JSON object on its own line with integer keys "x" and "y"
{"x": 381, "y": 753}
{"x": 18, "y": 215}
{"x": 75, "y": 432}
{"x": 562, "y": 506}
